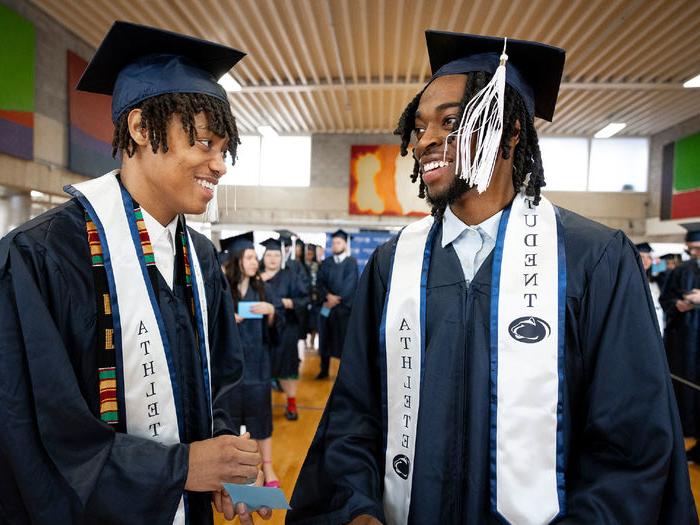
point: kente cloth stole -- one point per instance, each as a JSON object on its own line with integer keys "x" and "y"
{"x": 527, "y": 322}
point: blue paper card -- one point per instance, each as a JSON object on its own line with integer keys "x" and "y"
{"x": 257, "y": 497}
{"x": 325, "y": 311}
{"x": 244, "y": 310}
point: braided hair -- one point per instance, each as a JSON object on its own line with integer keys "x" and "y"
{"x": 526, "y": 155}
{"x": 157, "y": 111}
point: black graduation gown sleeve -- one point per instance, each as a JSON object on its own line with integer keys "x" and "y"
{"x": 58, "y": 462}
{"x": 349, "y": 283}
{"x": 342, "y": 475}
{"x": 627, "y": 461}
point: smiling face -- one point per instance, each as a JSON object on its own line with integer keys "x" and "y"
{"x": 181, "y": 180}
{"x": 436, "y": 116}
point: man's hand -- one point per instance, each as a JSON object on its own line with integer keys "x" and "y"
{"x": 693, "y": 296}
{"x": 365, "y": 519}
{"x": 684, "y": 306}
{"x": 288, "y": 303}
{"x": 223, "y": 503}
{"x": 223, "y": 459}
{"x": 333, "y": 300}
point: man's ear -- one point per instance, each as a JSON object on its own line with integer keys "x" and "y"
{"x": 138, "y": 132}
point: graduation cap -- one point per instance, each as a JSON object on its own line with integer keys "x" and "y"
{"x": 136, "y": 62}
{"x": 533, "y": 69}
{"x": 670, "y": 257}
{"x": 340, "y": 233}
{"x": 644, "y": 247}
{"x": 286, "y": 236}
{"x": 693, "y": 229}
{"x": 272, "y": 244}
{"x": 237, "y": 243}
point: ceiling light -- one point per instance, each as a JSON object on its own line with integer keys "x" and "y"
{"x": 693, "y": 82}
{"x": 611, "y": 129}
{"x": 229, "y": 83}
{"x": 267, "y": 131}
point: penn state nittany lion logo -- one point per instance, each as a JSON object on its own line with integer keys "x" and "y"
{"x": 402, "y": 466}
{"x": 529, "y": 329}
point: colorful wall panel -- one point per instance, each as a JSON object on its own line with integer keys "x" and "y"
{"x": 16, "y": 84}
{"x": 680, "y": 192}
{"x": 90, "y": 126}
{"x": 380, "y": 182}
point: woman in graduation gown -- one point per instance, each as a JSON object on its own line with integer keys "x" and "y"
{"x": 290, "y": 288}
{"x": 251, "y": 404}
{"x": 622, "y": 449}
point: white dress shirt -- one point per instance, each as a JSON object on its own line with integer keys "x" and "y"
{"x": 340, "y": 258}
{"x": 471, "y": 243}
{"x": 163, "y": 243}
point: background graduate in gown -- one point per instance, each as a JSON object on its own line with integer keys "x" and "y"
{"x": 290, "y": 287}
{"x": 624, "y": 458}
{"x": 61, "y": 461}
{"x": 681, "y": 302}
{"x": 251, "y": 402}
{"x": 336, "y": 282}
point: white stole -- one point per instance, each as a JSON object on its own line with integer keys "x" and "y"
{"x": 527, "y": 364}
{"x": 144, "y": 361}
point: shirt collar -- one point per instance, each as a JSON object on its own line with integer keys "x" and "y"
{"x": 452, "y": 226}
{"x": 156, "y": 230}
{"x": 341, "y": 257}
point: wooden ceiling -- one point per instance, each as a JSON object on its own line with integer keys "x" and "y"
{"x": 350, "y": 66}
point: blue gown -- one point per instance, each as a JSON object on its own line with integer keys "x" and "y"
{"x": 338, "y": 279}
{"x": 289, "y": 284}
{"x": 251, "y": 405}
{"x": 624, "y": 446}
{"x": 682, "y": 338}
{"x": 58, "y": 462}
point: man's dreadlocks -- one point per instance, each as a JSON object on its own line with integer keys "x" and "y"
{"x": 157, "y": 111}
{"x": 526, "y": 157}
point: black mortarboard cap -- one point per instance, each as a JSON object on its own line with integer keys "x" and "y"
{"x": 237, "y": 243}
{"x": 286, "y": 236}
{"x": 340, "y": 233}
{"x": 670, "y": 256}
{"x": 533, "y": 69}
{"x": 136, "y": 62}
{"x": 272, "y": 244}
{"x": 644, "y": 247}
{"x": 693, "y": 229}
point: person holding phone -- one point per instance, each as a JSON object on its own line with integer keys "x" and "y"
{"x": 260, "y": 319}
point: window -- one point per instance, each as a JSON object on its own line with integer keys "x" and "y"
{"x": 565, "y": 163}
{"x": 619, "y": 164}
{"x": 584, "y": 164}
{"x": 271, "y": 161}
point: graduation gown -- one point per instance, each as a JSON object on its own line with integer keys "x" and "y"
{"x": 58, "y": 462}
{"x": 251, "y": 405}
{"x": 682, "y": 338}
{"x": 625, "y": 461}
{"x": 290, "y": 284}
{"x": 338, "y": 279}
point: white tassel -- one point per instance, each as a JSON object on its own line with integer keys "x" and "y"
{"x": 482, "y": 122}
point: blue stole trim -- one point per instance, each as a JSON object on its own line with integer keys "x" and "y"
{"x": 561, "y": 447}
{"x": 493, "y": 328}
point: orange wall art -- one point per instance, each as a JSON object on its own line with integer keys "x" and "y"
{"x": 380, "y": 182}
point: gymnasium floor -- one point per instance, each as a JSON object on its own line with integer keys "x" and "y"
{"x": 291, "y": 439}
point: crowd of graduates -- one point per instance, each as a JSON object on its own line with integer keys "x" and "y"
{"x": 285, "y": 302}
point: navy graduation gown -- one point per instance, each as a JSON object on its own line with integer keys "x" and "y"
{"x": 251, "y": 403}
{"x": 623, "y": 442}
{"x": 338, "y": 279}
{"x": 289, "y": 284}
{"x": 682, "y": 338}
{"x": 58, "y": 462}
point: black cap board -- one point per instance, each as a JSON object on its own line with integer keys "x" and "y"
{"x": 237, "y": 243}
{"x": 693, "y": 229}
{"x": 644, "y": 247}
{"x": 272, "y": 244}
{"x": 533, "y": 69}
{"x": 136, "y": 62}
{"x": 340, "y": 233}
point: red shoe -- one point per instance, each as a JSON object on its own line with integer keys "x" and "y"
{"x": 272, "y": 484}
